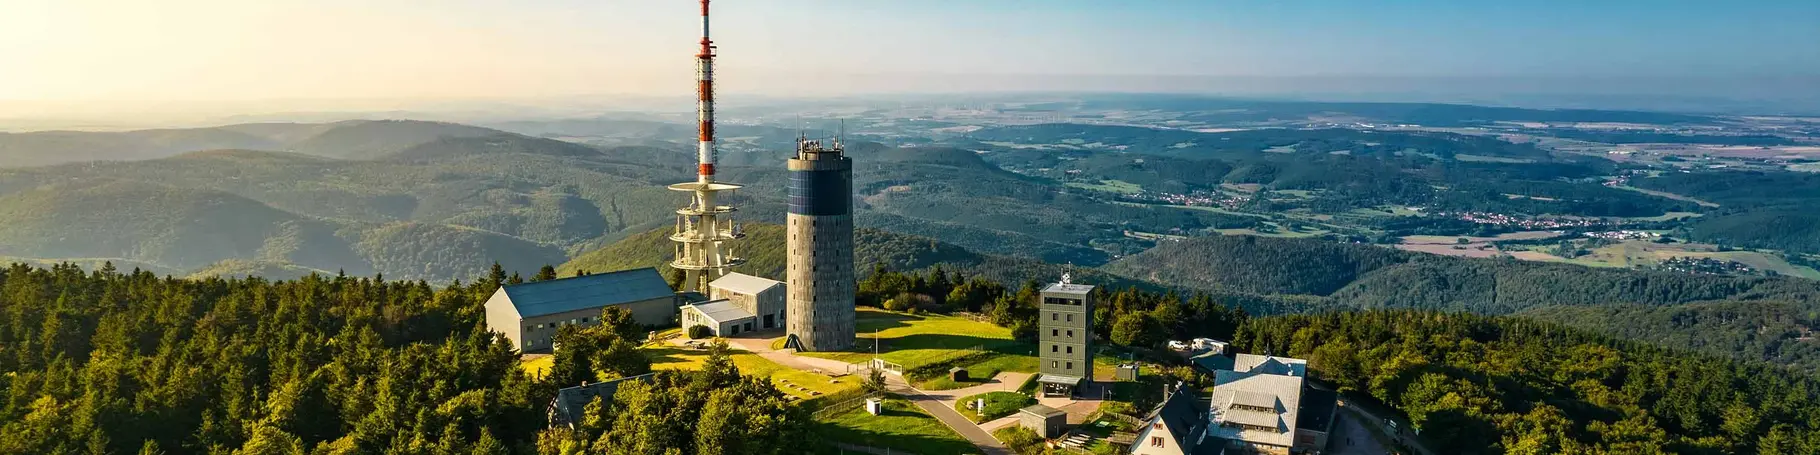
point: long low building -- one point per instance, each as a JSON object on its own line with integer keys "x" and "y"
{"x": 529, "y": 313}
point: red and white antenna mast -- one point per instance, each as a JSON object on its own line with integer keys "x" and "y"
{"x": 704, "y": 98}
{"x": 704, "y": 229}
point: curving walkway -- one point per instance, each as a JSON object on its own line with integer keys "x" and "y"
{"x": 937, "y": 403}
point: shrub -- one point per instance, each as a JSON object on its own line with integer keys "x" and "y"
{"x": 1020, "y": 440}
{"x": 697, "y": 332}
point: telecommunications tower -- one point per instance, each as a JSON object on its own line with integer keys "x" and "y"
{"x": 704, "y": 229}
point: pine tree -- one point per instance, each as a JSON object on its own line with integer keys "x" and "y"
{"x": 544, "y": 274}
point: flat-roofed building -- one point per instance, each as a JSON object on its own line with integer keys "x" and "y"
{"x": 529, "y": 313}
{"x": 1065, "y": 338}
{"x": 722, "y": 317}
{"x": 762, "y": 298}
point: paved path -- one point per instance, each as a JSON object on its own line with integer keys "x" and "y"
{"x": 944, "y": 411}
{"x": 939, "y": 403}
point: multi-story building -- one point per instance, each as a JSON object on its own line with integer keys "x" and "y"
{"x": 1065, "y": 338}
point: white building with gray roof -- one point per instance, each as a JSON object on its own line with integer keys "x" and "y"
{"x": 529, "y": 313}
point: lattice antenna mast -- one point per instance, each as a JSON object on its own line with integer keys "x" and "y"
{"x": 703, "y": 239}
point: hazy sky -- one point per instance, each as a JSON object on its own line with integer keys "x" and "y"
{"x": 133, "y": 50}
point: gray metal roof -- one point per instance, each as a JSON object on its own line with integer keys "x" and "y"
{"x": 744, "y": 284}
{"x": 1059, "y": 379}
{"x": 721, "y": 311}
{"x": 588, "y": 291}
{"x": 567, "y": 407}
{"x": 1041, "y": 410}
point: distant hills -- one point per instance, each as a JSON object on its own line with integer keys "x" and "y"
{"x": 765, "y": 244}
{"x": 353, "y": 139}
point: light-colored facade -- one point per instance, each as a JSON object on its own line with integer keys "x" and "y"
{"x": 1065, "y": 338}
{"x": 760, "y": 297}
{"x": 528, "y": 314}
{"x": 722, "y": 318}
{"x": 820, "y": 272}
{"x": 1174, "y": 428}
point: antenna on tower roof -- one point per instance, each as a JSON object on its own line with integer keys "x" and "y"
{"x": 841, "y": 135}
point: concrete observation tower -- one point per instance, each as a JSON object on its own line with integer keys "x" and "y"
{"x": 820, "y": 228}
{"x": 704, "y": 229}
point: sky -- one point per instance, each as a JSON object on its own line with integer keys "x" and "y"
{"x": 107, "y": 53}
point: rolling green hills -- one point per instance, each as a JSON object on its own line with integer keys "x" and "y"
{"x": 764, "y": 249}
{"x": 173, "y": 227}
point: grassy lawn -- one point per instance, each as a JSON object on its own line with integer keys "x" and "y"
{"x": 900, "y": 427}
{"x": 998, "y": 404}
{"x": 537, "y": 367}
{"x": 790, "y": 381}
{"x": 979, "y": 373}
{"x": 912, "y": 340}
{"x": 1110, "y": 186}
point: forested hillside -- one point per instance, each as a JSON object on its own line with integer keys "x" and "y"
{"x": 1776, "y": 331}
{"x": 1373, "y": 277}
{"x": 110, "y": 363}
{"x": 1495, "y": 385}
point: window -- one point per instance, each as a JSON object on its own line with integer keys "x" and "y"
{"x": 1070, "y": 366}
{"x": 1156, "y": 441}
{"x": 1070, "y": 318}
{"x": 1052, "y": 316}
{"x": 1052, "y": 348}
{"x": 1070, "y": 334}
{"x": 1157, "y": 425}
{"x": 1055, "y": 332}
{"x": 1071, "y": 349}
{"x": 1054, "y": 364}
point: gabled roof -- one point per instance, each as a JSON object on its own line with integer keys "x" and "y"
{"x": 587, "y": 291}
{"x": 1252, "y": 363}
{"x": 1212, "y": 361}
{"x": 1243, "y": 388}
{"x": 567, "y": 407}
{"x": 720, "y": 311}
{"x": 1181, "y": 415}
{"x": 744, "y": 284}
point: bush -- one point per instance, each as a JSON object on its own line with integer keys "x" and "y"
{"x": 697, "y": 332}
{"x": 1020, "y": 440}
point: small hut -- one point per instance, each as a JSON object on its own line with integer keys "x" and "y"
{"x": 957, "y": 374}
{"x": 1045, "y": 421}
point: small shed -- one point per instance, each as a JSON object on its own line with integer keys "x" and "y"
{"x": 957, "y": 374}
{"x": 1127, "y": 372}
{"x": 1045, "y": 421}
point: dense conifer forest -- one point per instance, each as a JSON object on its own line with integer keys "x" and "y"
{"x": 107, "y": 362}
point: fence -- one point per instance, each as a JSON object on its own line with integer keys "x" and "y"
{"x": 836, "y": 402}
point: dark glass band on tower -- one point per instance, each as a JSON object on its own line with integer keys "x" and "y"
{"x": 821, "y": 192}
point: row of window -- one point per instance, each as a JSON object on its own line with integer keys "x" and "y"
{"x": 1056, "y": 348}
{"x": 1053, "y": 364}
{"x": 1052, "y": 317}
{"x": 552, "y": 325}
{"x": 1061, "y": 301}
{"x": 1058, "y": 333}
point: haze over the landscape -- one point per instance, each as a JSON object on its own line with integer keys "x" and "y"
{"x": 95, "y": 57}
{"x": 1018, "y": 227}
